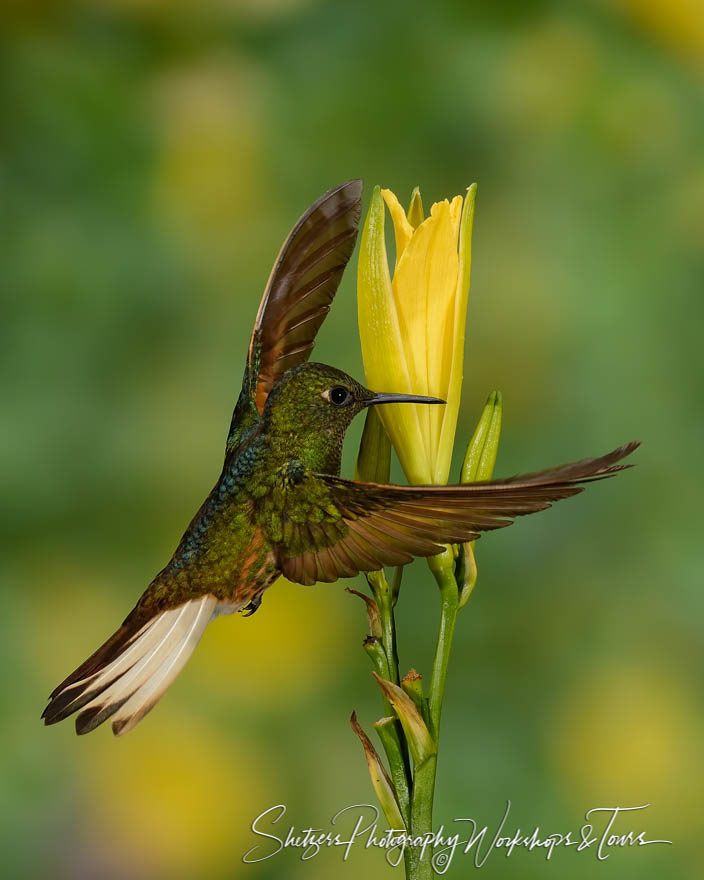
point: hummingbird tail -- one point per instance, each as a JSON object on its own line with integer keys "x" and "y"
{"x": 129, "y": 673}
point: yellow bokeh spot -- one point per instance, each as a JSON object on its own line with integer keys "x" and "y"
{"x": 628, "y": 735}
{"x": 536, "y": 102}
{"x": 209, "y": 186}
{"x": 290, "y": 647}
{"x": 78, "y": 613}
{"x": 175, "y": 798}
{"x": 678, "y": 24}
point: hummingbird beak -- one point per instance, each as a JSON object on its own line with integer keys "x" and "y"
{"x": 400, "y": 398}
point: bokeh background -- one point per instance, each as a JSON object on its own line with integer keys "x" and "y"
{"x": 152, "y": 158}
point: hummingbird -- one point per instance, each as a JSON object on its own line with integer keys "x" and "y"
{"x": 280, "y": 506}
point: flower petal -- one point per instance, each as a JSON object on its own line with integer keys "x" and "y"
{"x": 403, "y": 230}
{"x": 383, "y": 347}
{"x": 449, "y": 421}
{"x": 424, "y": 287}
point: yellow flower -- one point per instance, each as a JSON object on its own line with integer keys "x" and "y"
{"x": 412, "y": 326}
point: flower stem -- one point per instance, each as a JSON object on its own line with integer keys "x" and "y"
{"x": 388, "y": 630}
{"x": 442, "y": 567}
{"x": 394, "y": 743}
{"x": 449, "y": 605}
{"x": 391, "y": 736}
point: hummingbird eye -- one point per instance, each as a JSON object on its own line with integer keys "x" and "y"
{"x": 338, "y": 395}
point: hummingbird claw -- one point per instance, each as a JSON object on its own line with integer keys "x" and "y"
{"x": 253, "y": 606}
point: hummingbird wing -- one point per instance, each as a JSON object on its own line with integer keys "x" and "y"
{"x": 350, "y": 526}
{"x": 297, "y": 297}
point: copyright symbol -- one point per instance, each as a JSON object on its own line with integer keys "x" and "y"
{"x": 440, "y": 860}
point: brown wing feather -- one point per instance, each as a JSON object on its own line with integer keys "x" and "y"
{"x": 389, "y": 525}
{"x": 303, "y": 281}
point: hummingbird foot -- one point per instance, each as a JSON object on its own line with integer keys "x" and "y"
{"x": 253, "y": 606}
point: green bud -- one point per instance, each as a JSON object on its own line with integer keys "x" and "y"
{"x": 375, "y": 651}
{"x": 478, "y": 465}
{"x": 396, "y": 584}
{"x": 480, "y": 457}
{"x": 383, "y": 787}
{"x": 465, "y": 571}
{"x": 415, "y": 209}
{"x": 380, "y": 588}
{"x": 412, "y": 684}
{"x": 374, "y": 458}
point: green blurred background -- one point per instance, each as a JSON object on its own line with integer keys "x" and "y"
{"x": 153, "y": 156}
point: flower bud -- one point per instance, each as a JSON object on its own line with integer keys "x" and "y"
{"x": 383, "y": 787}
{"x": 478, "y": 465}
{"x": 375, "y": 651}
{"x": 480, "y": 457}
{"x": 374, "y": 457}
{"x": 415, "y": 209}
{"x": 412, "y": 684}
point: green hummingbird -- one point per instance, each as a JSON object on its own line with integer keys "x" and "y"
{"x": 279, "y": 506}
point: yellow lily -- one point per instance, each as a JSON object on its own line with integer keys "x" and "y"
{"x": 412, "y": 327}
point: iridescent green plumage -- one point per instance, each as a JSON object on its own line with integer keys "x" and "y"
{"x": 280, "y": 506}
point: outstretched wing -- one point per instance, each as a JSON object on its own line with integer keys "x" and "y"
{"x": 351, "y": 527}
{"x": 302, "y": 284}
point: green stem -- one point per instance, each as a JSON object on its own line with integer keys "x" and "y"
{"x": 388, "y": 634}
{"x": 416, "y": 791}
{"x": 394, "y": 742}
{"x": 442, "y": 567}
{"x": 401, "y": 772}
{"x": 396, "y": 747}
{"x": 449, "y": 606}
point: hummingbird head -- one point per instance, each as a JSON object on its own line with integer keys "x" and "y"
{"x": 310, "y": 409}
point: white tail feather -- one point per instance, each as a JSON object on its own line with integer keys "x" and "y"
{"x": 130, "y": 685}
{"x": 153, "y": 688}
{"x": 128, "y": 674}
{"x": 129, "y": 661}
{"x": 162, "y": 634}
